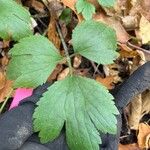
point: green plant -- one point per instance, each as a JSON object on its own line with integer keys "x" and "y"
{"x": 84, "y": 106}
{"x": 87, "y": 9}
{"x": 15, "y": 22}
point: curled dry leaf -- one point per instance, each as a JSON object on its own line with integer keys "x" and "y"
{"x": 77, "y": 61}
{"x": 135, "y": 109}
{"x": 144, "y": 136}
{"x": 63, "y": 74}
{"x": 138, "y": 107}
{"x": 130, "y": 22}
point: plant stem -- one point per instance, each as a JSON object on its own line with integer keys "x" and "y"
{"x": 65, "y": 48}
{"x": 5, "y": 102}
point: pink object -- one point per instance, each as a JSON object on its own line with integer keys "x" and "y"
{"x": 20, "y": 94}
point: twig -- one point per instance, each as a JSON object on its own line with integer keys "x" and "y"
{"x": 45, "y": 2}
{"x": 65, "y": 48}
{"x": 95, "y": 68}
{"x": 136, "y": 47}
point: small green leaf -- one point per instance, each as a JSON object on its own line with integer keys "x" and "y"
{"x": 15, "y": 21}
{"x": 33, "y": 60}
{"x": 95, "y": 41}
{"x": 107, "y": 3}
{"x": 86, "y": 8}
{"x": 83, "y": 105}
{"x": 66, "y": 16}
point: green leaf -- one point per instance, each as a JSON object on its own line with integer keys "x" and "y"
{"x": 33, "y": 60}
{"x": 86, "y": 8}
{"x": 95, "y": 41}
{"x": 107, "y": 3}
{"x": 83, "y": 105}
{"x": 66, "y": 16}
{"x": 15, "y": 21}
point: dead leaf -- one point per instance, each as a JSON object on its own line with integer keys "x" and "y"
{"x": 148, "y": 141}
{"x": 130, "y": 22}
{"x": 144, "y": 136}
{"x": 4, "y": 61}
{"x": 145, "y": 102}
{"x": 135, "y": 110}
{"x": 129, "y": 147}
{"x": 2, "y": 79}
{"x": 77, "y": 61}
{"x": 55, "y": 73}
{"x": 52, "y": 31}
{"x": 144, "y": 30}
{"x": 63, "y": 74}
{"x": 38, "y": 6}
{"x": 6, "y": 90}
{"x": 122, "y": 35}
{"x": 70, "y": 4}
{"x": 145, "y": 8}
{"x": 108, "y": 81}
{"x": 141, "y": 7}
{"x": 126, "y": 52}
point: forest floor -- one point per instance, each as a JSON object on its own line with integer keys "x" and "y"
{"x": 131, "y": 21}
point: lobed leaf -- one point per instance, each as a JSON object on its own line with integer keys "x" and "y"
{"x": 86, "y": 8}
{"x": 33, "y": 60}
{"x": 15, "y": 21}
{"x": 83, "y": 105}
{"x": 95, "y": 41}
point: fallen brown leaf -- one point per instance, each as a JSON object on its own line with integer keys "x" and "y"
{"x": 144, "y": 30}
{"x": 144, "y": 136}
{"x": 2, "y": 79}
{"x": 129, "y": 147}
{"x": 122, "y": 35}
{"x": 145, "y": 102}
{"x": 52, "y": 31}
{"x": 135, "y": 110}
{"x": 38, "y": 6}
{"x": 127, "y": 52}
{"x": 107, "y": 82}
{"x": 6, "y": 90}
